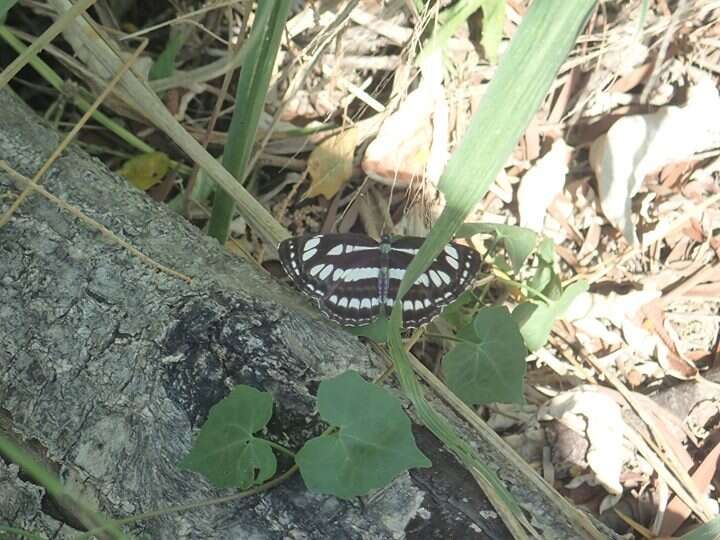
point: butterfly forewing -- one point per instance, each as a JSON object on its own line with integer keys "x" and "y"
{"x": 340, "y": 270}
{"x": 354, "y": 278}
{"x": 439, "y": 285}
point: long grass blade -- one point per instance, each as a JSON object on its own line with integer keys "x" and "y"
{"x": 250, "y": 99}
{"x": 542, "y": 42}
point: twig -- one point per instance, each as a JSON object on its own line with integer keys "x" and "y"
{"x": 91, "y": 222}
{"x": 71, "y": 135}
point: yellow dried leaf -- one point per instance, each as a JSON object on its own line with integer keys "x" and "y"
{"x": 330, "y": 164}
{"x": 146, "y": 170}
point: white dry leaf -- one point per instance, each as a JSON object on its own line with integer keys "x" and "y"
{"x": 644, "y": 343}
{"x": 413, "y": 142}
{"x": 596, "y": 329}
{"x": 541, "y": 184}
{"x": 598, "y": 418}
{"x": 620, "y": 309}
{"x": 608, "y": 502}
{"x": 617, "y": 308}
{"x": 638, "y": 145}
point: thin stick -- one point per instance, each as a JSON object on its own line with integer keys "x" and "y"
{"x": 71, "y": 135}
{"x": 92, "y": 223}
{"x": 39, "y": 43}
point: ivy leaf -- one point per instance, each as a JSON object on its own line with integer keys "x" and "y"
{"x": 489, "y": 365}
{"x": 373, "y": 445}
{"x": 226, "y": 451}
{"x": 536, "y": 319}
{"x": 545, "y": 279}
{"x": 518, "y": 241}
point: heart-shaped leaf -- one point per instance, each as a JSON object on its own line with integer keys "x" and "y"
{"x": 536, "y": 319}
{"x": 373, "y": 444}
{"x": 518, "y": 241}
{"x": 489, "y": 364}
{"x": 226, "y": 451}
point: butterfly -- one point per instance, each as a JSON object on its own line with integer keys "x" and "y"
{"x": 355, "y": 278}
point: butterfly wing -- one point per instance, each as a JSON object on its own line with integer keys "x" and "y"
{"x": 341, "y": 271}
{"x": 450, "y": 274}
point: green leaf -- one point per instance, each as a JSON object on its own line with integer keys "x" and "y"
{"x": 545, "y": 279}
{"x": 489, "y": 365}
{"x": 377, "y": 330}
{"x": 164, "y": 65}
{"x": 492, "y": 29}
{"x": 525, "y": 73}
{"x": 226, "y": 451}
{"x": 536, "y": 320}
{"x": 707, "y": 531}
{"x": 373, "y": 445}
{"x": 5, "y": 6}
{"x": 518, "y": 241}
{"x": 456, "y": 313}
{"x": 252, "y": 87}
{"x": 455, "y": 16}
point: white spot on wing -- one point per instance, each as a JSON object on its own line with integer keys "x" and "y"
{"x": 365, "y": 304}
{"x": 356, "y": 274}
{"x": 312, "y": 243}
{"x": 333, "y": 299}
{"x": 396, "y": 273}
{"x": 375, "y": 302}
{"x": 433, "y": 275}
{"x": 354, "y": 304}
{"x": 452, "y": 252}
{"x": 389, "y": 302}
{"x": 343, "y": 302}
{"x": 315, "y": 270}
{"x": 418, "y": 304}
{"x": 452, "y": 262}
{"x": 327, "y": 270}
{"x": 445, "y": 277}
{"x": 427, "y": 302}
{"x": 350, "y": 248}
{"x": 308, "y": 254}
{"x": 422, "y": 280}
{"x": 337, "y": 250}
{"x": 337, "y": 274}
{"x": 409, "y": 251}
{"x": 407, "y": 305}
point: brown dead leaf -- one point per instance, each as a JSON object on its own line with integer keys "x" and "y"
{"x": 330, "y": 164}
{"x": 677, "y": 512}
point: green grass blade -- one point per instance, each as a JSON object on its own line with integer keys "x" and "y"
{"x": 250, "y": 99}
{"x": 89, "y": 517}
{"x": 47, "y": 73}
{"x": 543, "y": 41}
{"x": 457, "y": 15}
{"x": 521, "y": 82}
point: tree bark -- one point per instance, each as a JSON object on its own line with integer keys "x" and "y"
{"x": 108, "y": 367}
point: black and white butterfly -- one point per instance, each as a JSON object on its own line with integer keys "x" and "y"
{"x": 355, "y": 278}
